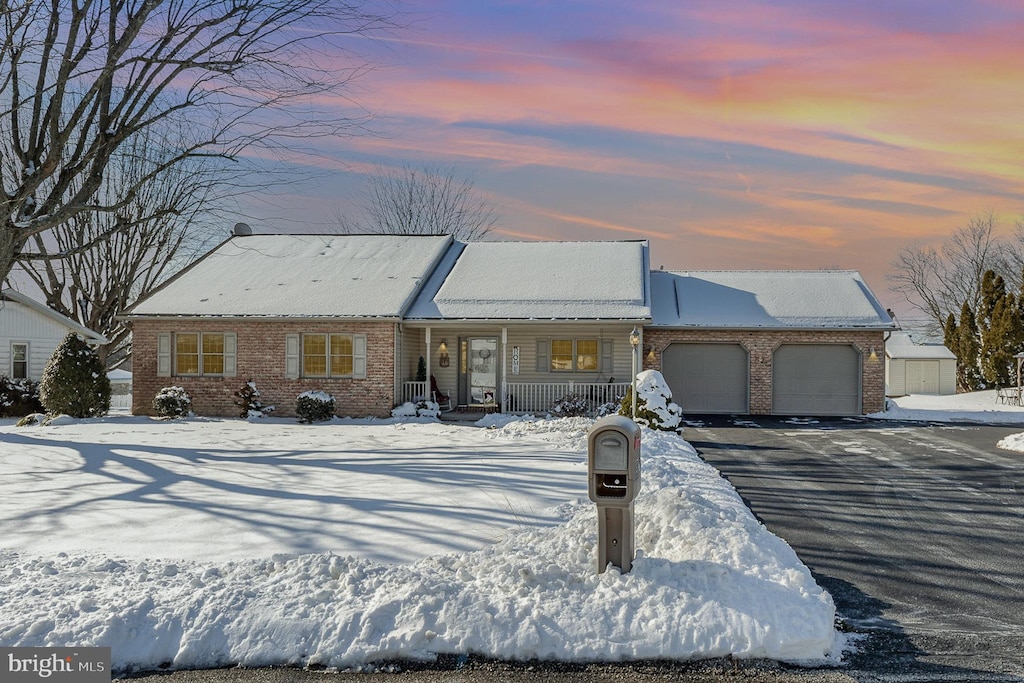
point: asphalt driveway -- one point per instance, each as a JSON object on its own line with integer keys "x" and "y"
{"x": 917, "y": 530}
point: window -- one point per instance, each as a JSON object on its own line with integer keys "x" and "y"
{"x": 327, "y": 355}
{"x": 579, "y": 355}
{"x": 199, "y": 354}
{"x": 19, "y": 361}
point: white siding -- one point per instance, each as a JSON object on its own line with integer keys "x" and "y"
{"x": 19, "y": 323}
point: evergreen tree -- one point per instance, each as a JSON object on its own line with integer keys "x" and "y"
{"x": 74, "y": 381}
{"x": 949, "y": 334}
{"x": 993, "y": 289}
{"x": 968, "y": 376}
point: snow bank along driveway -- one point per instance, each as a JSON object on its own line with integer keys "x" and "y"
{"x": 202, "y": 543}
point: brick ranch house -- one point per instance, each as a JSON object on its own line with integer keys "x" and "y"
{"x": 500, "y": 326}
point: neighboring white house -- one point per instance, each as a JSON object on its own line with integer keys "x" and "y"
{"x": 29, "y": 332}
{"x": 912, "y": 368}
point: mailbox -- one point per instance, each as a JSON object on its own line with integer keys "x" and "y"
{"x": 613, "y": 472}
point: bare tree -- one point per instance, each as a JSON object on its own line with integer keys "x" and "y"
{"x": 939, "y": 281}
{"x": 79, "y": 78}
{"x": 421, "y": 201}
{"x": 110, "y": 260}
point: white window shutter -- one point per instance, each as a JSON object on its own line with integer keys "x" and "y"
{"x": 163, "y": 354}
{"x": 543, "y": 355}
{"x": 358, "y": 356}
{"x": 230, "y": 354}
{"x": 291, "y": 356}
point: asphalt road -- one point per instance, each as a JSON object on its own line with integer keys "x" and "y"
{"x": 916, "y": 530}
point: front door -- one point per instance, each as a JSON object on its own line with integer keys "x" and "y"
{"x": 481, "y": 377}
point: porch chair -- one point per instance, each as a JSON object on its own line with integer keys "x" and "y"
{"x": 443, "y": 401}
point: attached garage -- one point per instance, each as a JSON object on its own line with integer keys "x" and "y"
{"x": 816, "y": 379}
{"x": 708, "y": 378}
{"x": 768, "y": 342}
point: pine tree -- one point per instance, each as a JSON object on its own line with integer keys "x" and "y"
{"x": 968, "y": 348}
{"x": 949, "y": 333}
{"x": 74, "y": 381}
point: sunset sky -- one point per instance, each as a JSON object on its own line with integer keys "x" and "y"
{"x": 735, "y": 135}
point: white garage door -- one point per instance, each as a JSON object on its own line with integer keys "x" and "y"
{"x": 707, "y": 378}
{"x": 816, "y": 379}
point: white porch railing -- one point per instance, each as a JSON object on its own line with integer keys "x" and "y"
{"x": 535, "y": 397}
{"x": 538, "y": 397}
{"x": 414, "y": 391}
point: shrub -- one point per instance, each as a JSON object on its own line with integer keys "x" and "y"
{"x": 314, "y": 406}
{"x": 249, "y": 401}
{"x": 570, "y": 405}
{"x": 74, "y": 381}
{"x": 172, "y": 402}
{"x": 654, "y": 406}
{"x": 19, "y": 397}
{"x": 421, "y": 408}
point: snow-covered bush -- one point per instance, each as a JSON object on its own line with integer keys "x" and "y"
{"x": 249, "y": 402}
{"x": 314, "y": 406}
{"x": 74, "y": 381}
{"x": 19, "y": 397}
{"x": 654, "y": 406}
{"x": 172, "y": 402}
{"x": 570, "y": 405}
{"x": 420, "y": 408}
{"x": 609, "y": 408}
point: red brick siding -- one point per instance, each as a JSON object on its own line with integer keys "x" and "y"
{"x": 261, "y": 357}
{"x": 761, "y": 346}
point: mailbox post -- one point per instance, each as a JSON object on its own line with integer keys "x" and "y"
{"x": 613, "y": 471}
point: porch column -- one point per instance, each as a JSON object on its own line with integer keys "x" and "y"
{"x": 430, "y": 368}
{"x": 504, "y": 369}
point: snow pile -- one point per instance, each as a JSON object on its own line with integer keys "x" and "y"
{"x": 417, "y": 409}
{"x": 709, "y": 580}
{"x": 654, "y": 396}
{"x": 976, "y": 406}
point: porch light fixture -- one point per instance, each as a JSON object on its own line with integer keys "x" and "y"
{"x": 650, "y": 354}
{"x": 634, "y": 341}
{"x": 872, "y": 355}
{"x": 443, "y": 359}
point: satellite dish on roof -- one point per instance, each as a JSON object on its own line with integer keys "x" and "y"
{"x": 241, "y": 230}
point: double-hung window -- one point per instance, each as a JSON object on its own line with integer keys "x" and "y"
{"x": 19, "y": 360}
{"x": 574, "y": 355}
{"x": 196, "y": 354}
{"x": 327, "y": 355}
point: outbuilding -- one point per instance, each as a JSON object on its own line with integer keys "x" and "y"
{"x": 913, "y": 368}
{"x": 29, "y": 333}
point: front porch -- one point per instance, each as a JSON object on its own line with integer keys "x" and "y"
{"x": 522, "y": 398}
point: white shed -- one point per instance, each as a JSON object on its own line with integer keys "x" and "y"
{"x": 29, "y": 332}
{"x": 912, "y": 368}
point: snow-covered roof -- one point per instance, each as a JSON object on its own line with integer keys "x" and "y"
{"x": 360, "y": 276}
{"x": 902, "y": 345}
{"x": 539, "y": 281}
{"x": 85, "y": 333}
{"x": 762, "y": 299}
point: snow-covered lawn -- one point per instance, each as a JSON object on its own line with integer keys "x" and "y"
{"x": 200, "y": 543}
{"x": 976, "y": 406}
